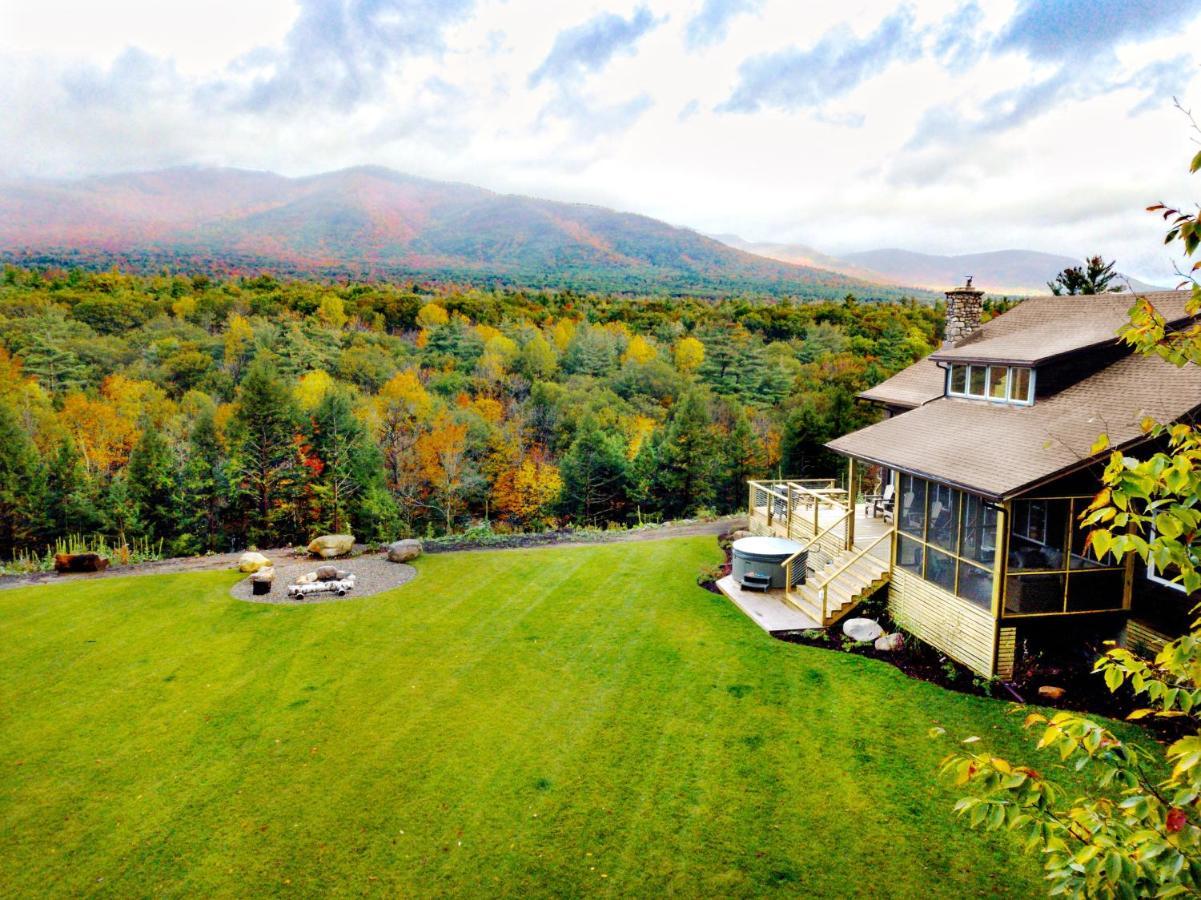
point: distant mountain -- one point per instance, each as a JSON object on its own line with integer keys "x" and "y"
{"x": 1020, "y": 272}
{"x": 372, "y": 222}
{"x": 999, "y": 272}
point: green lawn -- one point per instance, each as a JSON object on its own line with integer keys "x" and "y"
{"x": 553, "y": 721}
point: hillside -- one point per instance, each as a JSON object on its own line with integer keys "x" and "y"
{"x": 372, "y": 222}
{"x": 1021, "y": 272}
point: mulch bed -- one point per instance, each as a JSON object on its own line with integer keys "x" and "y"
{"x": 373, "y": 573}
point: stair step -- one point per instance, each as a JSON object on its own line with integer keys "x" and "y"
{"x": 756, "y": 582}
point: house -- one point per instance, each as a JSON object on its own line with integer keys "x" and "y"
{"x": 988, "y": 444}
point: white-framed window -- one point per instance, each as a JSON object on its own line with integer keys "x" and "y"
{"x": 1153, "y": 575}
{"x": 1164, "y": 578}
{"x": 997, "y": 384}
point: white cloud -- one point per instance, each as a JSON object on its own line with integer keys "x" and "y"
{"x": 961, "y": 139}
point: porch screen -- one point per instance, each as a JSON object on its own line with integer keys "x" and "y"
{"x": 1050, "y": 571}
{"x": 947, "y": 537}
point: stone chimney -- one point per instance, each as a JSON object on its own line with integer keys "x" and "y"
{"x": 964, "y": 305}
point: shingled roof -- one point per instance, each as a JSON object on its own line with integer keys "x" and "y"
{"x": 1040, "y": 329}
{"x": 914, "y": 385}
{"x": 999, "y": 450}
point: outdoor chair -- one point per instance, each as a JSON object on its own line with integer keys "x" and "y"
{"x": 881, "y": 504}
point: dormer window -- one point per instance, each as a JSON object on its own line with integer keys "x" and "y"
{"x": 1000, "y": 384}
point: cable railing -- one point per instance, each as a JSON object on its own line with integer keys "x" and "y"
{"x": 798, "y": 503}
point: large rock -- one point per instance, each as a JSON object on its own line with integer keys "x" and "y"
{"x": 329, "y": 546}
{"x": 403, "y": 551}
{"x": 79, "y": 562}
{"x": 862, "y": 630}
{"x": 252, "y": 562}
{"x": 890, "y": 643}
{"x": 262, "y": 580}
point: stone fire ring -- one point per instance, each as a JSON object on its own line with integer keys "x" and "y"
{"x": 372, "y": 575}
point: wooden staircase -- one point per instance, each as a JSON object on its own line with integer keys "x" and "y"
{"x": 833, "y": 590}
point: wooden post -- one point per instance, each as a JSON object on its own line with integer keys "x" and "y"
{"x": 852, "y": 496}
{"x": 998, "y": 563}
{"x": 788, "y": 520}
{"x": 1127, "y": 576}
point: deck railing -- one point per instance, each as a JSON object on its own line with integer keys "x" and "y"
{"x": 824, "y": 587}
{"x": 796, "y": 507}
{"x": 807, "y": 551}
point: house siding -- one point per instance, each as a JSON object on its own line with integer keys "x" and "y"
{"x": 962, "y": 630}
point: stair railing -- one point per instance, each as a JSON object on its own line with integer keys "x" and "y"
{"x": 806, "y": 549}
{"x": 824, "y": 587}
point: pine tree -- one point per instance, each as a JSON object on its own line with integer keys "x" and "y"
{"x": 686, "y": 473}
{"x": 152, "y": 484}
{"x": 595, "y": 476}
{"x": 120, "y": 511}
{"x": 70, "y": 501}
{"x": 22, "y": 486}
{"x": 347, "y": 463}
{"x": 267, "y": 459}
{"x": 739, "y": 457}
{"x": 204, "y": 490}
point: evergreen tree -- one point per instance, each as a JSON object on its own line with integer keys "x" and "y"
{"x": 22, "y": 486}
{"x": 152, "y": 486}
{"x": 120, "y": 511}
{"x": 738, "y": 462}
{"x": 70, "y": 504}
{"x": 687, "y": 463}
{"x": 204, "y": 490}
{"x": 349, "y": 469}
{"x": 595, "y": 476}
{"x": 267, "y": 458}
{"x": 1094, "y": 277}
{"x": 802, "y": 447}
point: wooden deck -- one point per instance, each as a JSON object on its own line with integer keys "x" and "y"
{"x": 849, "y": 551}
{"x": 867, "y": 528}
{"x": 767, "y": 609}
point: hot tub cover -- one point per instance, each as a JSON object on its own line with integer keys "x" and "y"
{"x": 766, "y": 546}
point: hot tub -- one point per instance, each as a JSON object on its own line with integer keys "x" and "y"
{"x": 758, "y": 562}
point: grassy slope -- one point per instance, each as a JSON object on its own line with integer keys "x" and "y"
{"x": 546, "y": 721}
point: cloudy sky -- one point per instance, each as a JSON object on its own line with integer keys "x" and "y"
{"x": 943, "y": 126}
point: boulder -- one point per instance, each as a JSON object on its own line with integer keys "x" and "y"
{"x": 306, "y": 578}
{"x": 252, "y": 562}
{"x": 329, "y": 546}
{"x": 862, "y": 630}
{"x": 890, "y": 643}
{"x": 1050, "y": 692}
{"x": 261, "y": 581}
{"x": 326, "y": 573}
{"x": 79, "y": 562}
{"x": 403, "y": 551}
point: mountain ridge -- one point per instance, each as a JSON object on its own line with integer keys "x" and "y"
{"x": 371, "y": 221}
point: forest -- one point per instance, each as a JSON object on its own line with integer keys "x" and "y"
{"x": 203, "y": 414}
